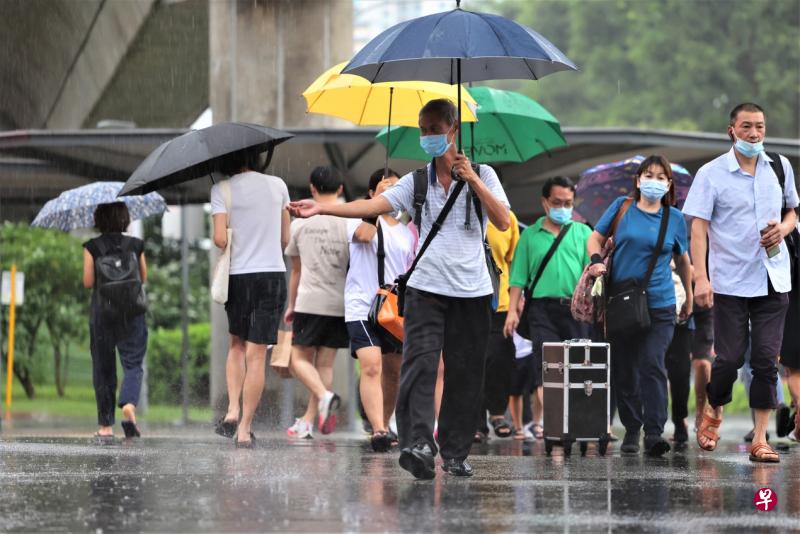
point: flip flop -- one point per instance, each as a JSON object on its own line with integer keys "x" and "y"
{"x": 501, "y": 427}
{"x": 763, "y": 447}
{"x": 249, "y": 444}
{"x": 538, "y": 431}
{"x": 706, "y": 432}
{"x": 103, "y": 439}
{"x": 131, "y": 430}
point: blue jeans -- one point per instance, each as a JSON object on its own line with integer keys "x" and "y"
{"x": 108, "y": 336}
{"x": 639, "y": 374}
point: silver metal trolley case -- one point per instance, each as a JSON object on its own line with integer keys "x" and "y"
{"x": 577, "y": 406}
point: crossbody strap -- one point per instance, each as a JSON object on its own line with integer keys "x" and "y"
{"x": 550, "y": 252}
{"x": 777, "y": 167}
{"x": 623, "y": 208}
{"x": 662, "y": 233}
{"x": 437, "y": 224}
{"x": 381, "y": 256}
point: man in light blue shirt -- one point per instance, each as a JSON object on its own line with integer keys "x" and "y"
{"x": 741, "y": 211}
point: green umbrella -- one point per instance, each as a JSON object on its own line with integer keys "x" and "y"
{"x": 510, "y": 127}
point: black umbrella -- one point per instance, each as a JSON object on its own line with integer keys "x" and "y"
{"x": 197, "y": 153}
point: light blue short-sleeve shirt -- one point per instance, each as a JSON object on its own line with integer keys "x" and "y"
{"x": 454, "y": 264}
{"x": 738, "y": 205}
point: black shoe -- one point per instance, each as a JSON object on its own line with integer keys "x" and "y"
{"x": 457, "y": 468}
{"x": 656, "y": 446}
{"x": 783, "y": 421}
{"x": 226, "y": 429}
{"x": 681, "y": 433}
{"x": 380, "y": 442}
{"x": 418, "y": 461}
{"x": 131, "y": 430}
{"x": 249, "y": 444}
{"x": 630, "y": 443}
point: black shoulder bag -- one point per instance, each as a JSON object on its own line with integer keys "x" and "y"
{"x": 626, "y": 310}
{"x": 793, "y": 239}
{"x": 524, "y": 327}
{"x": 402, "y": 280}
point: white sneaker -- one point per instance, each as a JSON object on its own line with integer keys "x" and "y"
{"x": 528, "y": 432}
{"x": 301, "y": 429}
{"x": 793, "y": 435}
{"x": 327, "y": 406}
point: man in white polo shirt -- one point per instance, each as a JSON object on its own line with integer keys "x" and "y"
{"x": 448, "y": 298}
{"x": 738, "y": 204}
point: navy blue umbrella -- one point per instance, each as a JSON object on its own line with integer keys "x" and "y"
{"x": 458, "y": 46}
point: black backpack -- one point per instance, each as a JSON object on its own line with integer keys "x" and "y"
{"x": 118, "y": 283}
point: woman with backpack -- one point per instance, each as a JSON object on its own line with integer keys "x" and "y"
{"x": 253, "y": 206}
{"x": 114, "y": 267}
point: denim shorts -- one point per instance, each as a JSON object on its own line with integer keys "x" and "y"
{"x": 255, "y": 306}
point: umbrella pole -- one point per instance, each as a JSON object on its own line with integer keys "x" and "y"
{"x": 458, "y": 74}
{"x": 388, "y": 135}
{"x": 184, "y": 318}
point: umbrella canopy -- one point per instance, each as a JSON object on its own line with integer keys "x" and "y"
{"x": 600, "y": 185}
{"x": 510, "y": 127}
{"x": 75, "y": 208}
{"x": 355, "y": 99}
{"x": 196, "y": 153}
{"x": 485, "y": 46}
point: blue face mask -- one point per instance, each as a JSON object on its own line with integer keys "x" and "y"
{"x": 749, "y": 150}
{"x": 653, "y": 190}
{"x": 560, "y": 215}
{"x": 434, "y": 145}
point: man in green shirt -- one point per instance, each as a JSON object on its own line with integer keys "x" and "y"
{"x": 549, "y": 314}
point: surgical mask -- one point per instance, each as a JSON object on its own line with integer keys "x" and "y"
{"x": 434, "y": 145}
{"x": 653, "y": 190}
{"x": 748, "y": 150}
{"x": 560, "y": 215}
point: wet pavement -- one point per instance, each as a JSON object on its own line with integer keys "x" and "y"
{"x": 193, "y": 481}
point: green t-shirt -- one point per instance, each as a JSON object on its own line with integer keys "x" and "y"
{"x": 563, "y": 270}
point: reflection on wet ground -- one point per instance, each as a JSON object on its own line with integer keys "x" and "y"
{"x": 194, "y": 481}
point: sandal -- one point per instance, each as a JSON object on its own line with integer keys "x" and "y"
{"x": 131, "y": 430}
{"x": 763, "y": 453}
{"x": 249, "y": 444}
{"x": 480, "y": 437}
{"x": 519, "y": 435}
{"x": 501, "y": 427}
{"x": 380, "y": 441}
{"x": 226, "y": 429}
{"x": 538, "y": 431}
{"x": 103, "y": 439}
{"x": 705, "y": 431}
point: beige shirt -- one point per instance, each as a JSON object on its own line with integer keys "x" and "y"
{"x": 321, "y": 243}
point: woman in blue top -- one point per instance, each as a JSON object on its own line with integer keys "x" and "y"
{"x": 639, "y": 376}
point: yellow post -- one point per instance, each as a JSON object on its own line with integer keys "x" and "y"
{"x": 11, "y": 320}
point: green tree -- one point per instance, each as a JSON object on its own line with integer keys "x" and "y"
{"x": 54, "y": 296}
{"x": 667, "y": 64}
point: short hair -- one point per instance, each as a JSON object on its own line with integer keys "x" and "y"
{"x": 112, "y": 218}
{"x": 744, "y": 106}
{"x": 376, "y": 177}
{"x": 234, "y": 162}
{"x": 560, "y": 181}
{"x": 661, "y": 161}
{"x": 325, "y": 179}
{"x": 442, "y": 108}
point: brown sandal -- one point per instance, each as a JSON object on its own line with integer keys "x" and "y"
{"x": 705, "y": 431}
{"x": 756, "y": 456}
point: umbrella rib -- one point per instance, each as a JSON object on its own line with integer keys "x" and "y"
{"x": 364, "y": 108}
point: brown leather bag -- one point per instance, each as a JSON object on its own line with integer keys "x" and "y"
{"x": 384, "y": 314}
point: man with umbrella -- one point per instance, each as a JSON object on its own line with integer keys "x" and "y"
{"x": 448, "y": 297}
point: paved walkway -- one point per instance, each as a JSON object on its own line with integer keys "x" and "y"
{"x": 192, "y": 481}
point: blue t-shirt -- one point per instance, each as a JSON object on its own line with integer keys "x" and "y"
{"x": 635, "y": 240}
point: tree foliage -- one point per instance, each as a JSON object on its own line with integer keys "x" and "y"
{"x": 667, "y": 64}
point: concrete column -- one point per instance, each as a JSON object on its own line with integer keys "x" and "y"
{"x": 263, "y": 54}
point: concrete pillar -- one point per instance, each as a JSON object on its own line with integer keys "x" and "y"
{"x": 263, "y": 54}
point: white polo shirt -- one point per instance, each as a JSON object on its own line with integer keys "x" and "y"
{"x": 737, "y": 206}
{"x": 454, "y": 264}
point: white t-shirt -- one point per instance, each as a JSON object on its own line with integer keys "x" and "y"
{"x": 257, "y": 204}
{"x": 399, "y": 243}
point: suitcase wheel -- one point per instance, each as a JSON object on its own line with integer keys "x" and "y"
{"x": 548, "y": 446}
{"x": 567, "y": 448}
{"x": 602, "y": 446}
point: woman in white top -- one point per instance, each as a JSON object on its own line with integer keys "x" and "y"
{"x": 380, "y": 358}
{"x": 257, "y": 285}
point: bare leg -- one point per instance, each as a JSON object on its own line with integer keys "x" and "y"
{"x": 390, "y": 381}
{"x": 702, "y": 374}
{"x": 538, "y": 406}
{"x": 256, "y": 358}
{"x": 370, "y": 386}
{"x": 439, "y": 389}
{"x": 234, "y": 376}
{"x": 105, "y": 431}
{"x": 793, "y": 381}
{"x": 515, "y": 407}
{"x": 305, "y": 371}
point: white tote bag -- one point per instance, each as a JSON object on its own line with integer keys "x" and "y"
{"x": 219, "y": 284}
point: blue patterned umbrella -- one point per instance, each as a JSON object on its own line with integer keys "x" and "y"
{"x": 75, "y": 208}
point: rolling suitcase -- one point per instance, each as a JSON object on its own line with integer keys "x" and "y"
{"x": 576, "y": 401}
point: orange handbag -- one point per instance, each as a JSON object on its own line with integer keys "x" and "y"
{"x": 384, "y": 315}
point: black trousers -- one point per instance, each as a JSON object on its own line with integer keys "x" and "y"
{"x": 457, "y": 328}
{"x": 551, "y": 322}
{"x": 765, "y": 317}
{"x": 500, "y": 356}
{"x": 679, "y": 369}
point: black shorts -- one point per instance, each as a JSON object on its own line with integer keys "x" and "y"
{"x": 524, "y": 381}
{"x": 311, "y": 330}
{"x": 703, "y": 336}
{"x": 255, "y": 306}
{"x": 363, "y": 335}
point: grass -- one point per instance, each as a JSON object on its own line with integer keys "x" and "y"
{"x": 78, "y": 403}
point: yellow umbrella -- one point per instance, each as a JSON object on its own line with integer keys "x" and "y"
{"x": 355, "y": 99}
